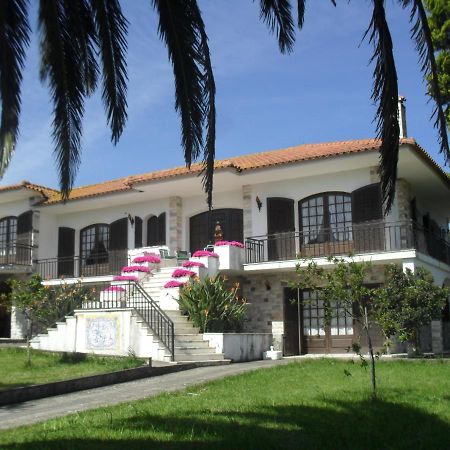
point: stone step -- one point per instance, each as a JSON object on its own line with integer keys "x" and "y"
{"x": 199, "y": 357}
{"x": 191, "y": 344}
{"x": 194, "y": 351}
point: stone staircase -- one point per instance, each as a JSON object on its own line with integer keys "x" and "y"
{"x": 189, "y": 343}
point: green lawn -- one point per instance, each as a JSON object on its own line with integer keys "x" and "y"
{"x": 308, "y": 405}
{"x": 46, "y": 367}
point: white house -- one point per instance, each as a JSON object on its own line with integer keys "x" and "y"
{"x": 315, "y": 200}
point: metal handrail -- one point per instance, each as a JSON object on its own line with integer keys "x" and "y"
{"x": 16, "y": 254}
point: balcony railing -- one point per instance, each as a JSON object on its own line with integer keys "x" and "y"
{"x": 15, "y": 254}
{"x": 109, "y": 263}
{"x": 373, "y": 237}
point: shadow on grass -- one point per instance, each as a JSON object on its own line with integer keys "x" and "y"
{"x": 342, "y": 425}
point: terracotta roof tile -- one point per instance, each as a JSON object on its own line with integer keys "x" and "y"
{"x": 239, "y": 164}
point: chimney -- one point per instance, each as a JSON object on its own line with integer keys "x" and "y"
{"x": 402, "y": 117}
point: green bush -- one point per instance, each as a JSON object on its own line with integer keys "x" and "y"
{"x": 212, "y": 306}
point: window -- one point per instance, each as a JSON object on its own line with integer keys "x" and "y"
{"x": 326, "y": 218}
{"x": 94, "y": 244}
{"x": 8, "y": 234}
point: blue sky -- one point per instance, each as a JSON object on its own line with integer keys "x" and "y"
{"x": 265, "y": 100}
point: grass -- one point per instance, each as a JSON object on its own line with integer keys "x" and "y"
{"x": 307, "y": 405}
{"x": 46, "y": 367}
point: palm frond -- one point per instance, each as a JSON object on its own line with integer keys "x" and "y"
{"x": 422, "y": 35}
{"x": 61, "y": 69}
{"x": 385, "y": 93}
{"x": 209, "y": 91}
{"x": 178, "y": 28}
{"x": 301, "y": 4}
{"x": 111, "y": 26}
{"x": 14, "y": 39}
{"x": 81, "y": 22}
{"x": 278, "y": 17}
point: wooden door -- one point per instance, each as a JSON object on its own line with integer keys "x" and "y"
{"x": 280, "y": 228}
{"x": 320, "y": 337}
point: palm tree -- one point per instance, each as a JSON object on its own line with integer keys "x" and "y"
{"x": 83, "y": 39}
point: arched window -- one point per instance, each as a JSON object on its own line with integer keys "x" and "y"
{"x": 326, "y": 217}
{"x": 8, "y": 232}
{"x": 94, "y": 244}
{"x": 156, "y": 230}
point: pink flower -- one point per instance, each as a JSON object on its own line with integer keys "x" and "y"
{"x": 232, "y": 243}
{"x": 148, "y": 257}
{"x": 200, "y": 253}
{"x": 115, "y": 289}
{"x": 193, "y": 264}
{"x": 135, "y": 269}
{"x": 173, "y": 284}
{"x": 125, "y": 278}
{"x": 177, "y": 273}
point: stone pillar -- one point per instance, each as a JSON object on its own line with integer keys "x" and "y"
{"x": 374, "y": 174}
{"x": 403, "y": 195}
{"x": 175, "y": 224}
{"x": 437, "y": 336}
{"x": 247, "y": 204}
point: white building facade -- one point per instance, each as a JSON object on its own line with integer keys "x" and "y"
{"x": 311, "y": 200}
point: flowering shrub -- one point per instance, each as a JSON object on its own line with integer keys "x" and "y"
{"x": 212, "y": 306}
{"x": 193, "y": 264}
{"x": 148, "y": 257}
{"x": 200, "y": 253}
{"x": 125, "y": 278}
{"x": 232, "y": 243}
{"x": 115, "y": 289}
{"x": 135, "y": 269}
{"x": 173, "y": 284}
{"x": 177, "y": 273}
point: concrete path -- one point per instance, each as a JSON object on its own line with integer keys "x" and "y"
{"x": 47, "y": 408}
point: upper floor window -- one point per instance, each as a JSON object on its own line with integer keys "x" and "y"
{"x": 8, "y": 231}
{"x": 94, "y": 243}
{"x": 326, "y": 217}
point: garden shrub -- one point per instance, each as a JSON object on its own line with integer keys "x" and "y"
{"x": 212, "y": 306}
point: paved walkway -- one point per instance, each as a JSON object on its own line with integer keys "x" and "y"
{"x": 47, "y": 408}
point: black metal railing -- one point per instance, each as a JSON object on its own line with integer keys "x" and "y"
{"x": 370, "y": 237}
{"x": 109, "y": 263}
{"x": 129, "y": 294}
{"x": 16, "y": 254}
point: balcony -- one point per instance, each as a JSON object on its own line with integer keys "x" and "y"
{"x": 102, "y": 264}
{"x": 373, "y": 237}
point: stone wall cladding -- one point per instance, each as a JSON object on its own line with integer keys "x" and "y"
{"x": 18, "y": 324}
{"x": 175, "y": 223}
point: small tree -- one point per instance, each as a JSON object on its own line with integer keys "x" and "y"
{"x": 42, "y": 306}
{"x": 408, "y": 301}
{"x": 345, "y": 283}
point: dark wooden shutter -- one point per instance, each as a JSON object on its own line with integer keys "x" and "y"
{"x": 236, "y": 225}
{"x": 23, "y": 238}
{"x": 66, "y": 251}
{"x": 281, "y": 223}
{"x": 25, "y": 222}
{"x": 137, "y": 232}
{"x": 152, "y": 231}
{"x": 162, "y": 229}
{"x": 118, "y": 234}
{"x": 367, "y": 203}
{"x": 367, "y": 207}
{"x": 280, "y": 215}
